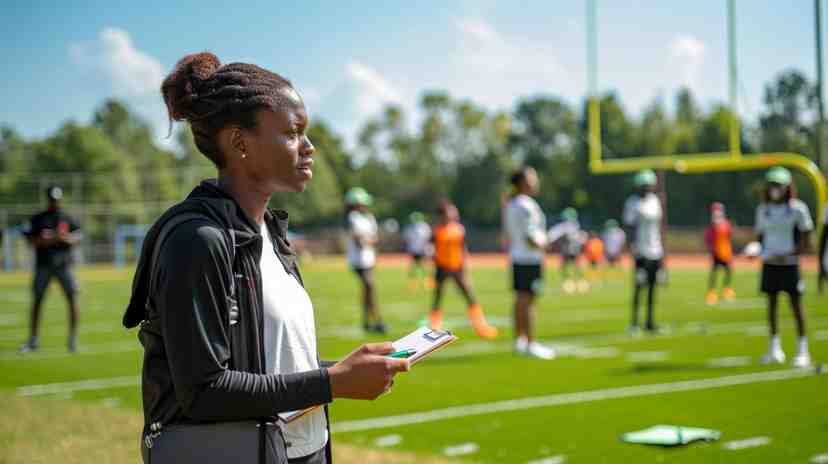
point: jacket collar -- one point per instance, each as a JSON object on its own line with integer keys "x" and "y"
{"x": 244, "y": 226}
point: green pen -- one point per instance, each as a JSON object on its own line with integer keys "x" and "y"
{"x": 402, "y": 354}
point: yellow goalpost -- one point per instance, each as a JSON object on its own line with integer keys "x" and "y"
{"x": 692, "y": 163}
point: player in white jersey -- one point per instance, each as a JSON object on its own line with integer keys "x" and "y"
{"x": 361, "y": 250}
{"x": 642, "y": 215}
{"x": 784, "y": 225}
{"x": 525, "y": 226}
{"x": 614, "y": 240}
{"x": 417, "y": 238}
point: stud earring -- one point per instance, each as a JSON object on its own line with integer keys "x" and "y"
{"x": 244, "y": 155}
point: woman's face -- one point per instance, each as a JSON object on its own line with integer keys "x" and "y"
{"x": 279, "y": 153}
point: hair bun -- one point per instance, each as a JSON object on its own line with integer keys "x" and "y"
{"x": 200, "y": 65}
{"x": 180, "y": 88}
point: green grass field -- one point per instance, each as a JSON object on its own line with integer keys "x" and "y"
{"x": 478, "y": 400}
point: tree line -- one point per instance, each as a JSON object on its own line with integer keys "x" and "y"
{"x": 456, "y": 149}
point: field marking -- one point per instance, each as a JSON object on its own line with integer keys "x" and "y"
{"x": 83, "y": 350}
{"x": 730, "y": 361}
{"x": 566, "y": 398}
{"x": 9, "y": 319}
{"x": 61, "y": 329}
{"x": 820, "y": 335}
{"x": 647, "y": 356}
{"x": 462, "y": 449}
{"x": 819, "y": 459}
{"x": 388, "y": 440}
{"x": 557, "y": 459}
{"x": 746, "y": 443}
{"x": 80, "y": 385}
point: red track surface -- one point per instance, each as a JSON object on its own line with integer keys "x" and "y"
{"x": 676, "y": 261}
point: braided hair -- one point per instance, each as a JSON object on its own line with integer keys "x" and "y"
{"x": 210, "y": 96}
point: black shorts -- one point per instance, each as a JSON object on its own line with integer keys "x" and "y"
{"x": 782, "y": 278}
{"x": 417, "y": 257}
{"x": 527, "y": 278}
{"x": 719, "y": 262}
{"x": 646, "y": 271}
{"x": 44, "y": 274}
{"x": 441, "y": 274}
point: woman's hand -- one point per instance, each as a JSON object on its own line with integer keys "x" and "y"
{"x": 366, "y": 373}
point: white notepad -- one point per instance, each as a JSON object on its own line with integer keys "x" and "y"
{"x": 424, "y": 341}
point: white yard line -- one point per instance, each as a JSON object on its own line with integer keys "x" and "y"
{"x": 746, "y": 443}
{"x": 819, "y": 459}
{"x": 647, "y": 356}
{"x": 461, "y": 450}
{"x": 83, "y": 350}
{"x": 566, "y": 398}
{"x": 388, "y": 440}
{"x": 80, "y": 385}
{"x": 558, "y": 459}
{"x": 730, "y": 361}
{"x": 61, "y": 329}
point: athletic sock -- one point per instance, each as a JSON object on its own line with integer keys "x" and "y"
{"x": 436, "y": 319}
{"x": 34, "y": 341}
{"x": 775, "y": 343}
{"x": 802, "y": 344}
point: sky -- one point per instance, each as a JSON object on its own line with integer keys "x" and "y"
{"x": 348, "y": 59}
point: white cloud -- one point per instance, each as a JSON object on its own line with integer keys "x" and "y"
{"x": 126, "y": 73}
{"x": 130, "y": 71}
{"x": 687, "y": 58}
{"x": 495, "y": 69}
{"x": 373, "y": 89}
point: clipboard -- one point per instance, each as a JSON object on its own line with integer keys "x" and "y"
{"x": 424, "y": 341}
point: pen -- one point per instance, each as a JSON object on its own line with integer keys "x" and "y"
{"x": 402, "y": 354}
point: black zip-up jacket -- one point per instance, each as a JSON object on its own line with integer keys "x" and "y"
{"x": 200, "y": 311}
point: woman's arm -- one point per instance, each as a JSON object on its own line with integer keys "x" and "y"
{"x": 191, "y": 295}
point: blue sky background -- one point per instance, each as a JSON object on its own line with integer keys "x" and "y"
{"x": 62, "y": 59}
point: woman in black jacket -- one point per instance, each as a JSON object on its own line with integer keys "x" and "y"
{"x": 212, "y": 305}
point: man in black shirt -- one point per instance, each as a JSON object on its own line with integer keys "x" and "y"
{"x": 52, "y": 234}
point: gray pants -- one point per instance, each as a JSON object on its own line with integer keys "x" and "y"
{"x": 222, "y": 443}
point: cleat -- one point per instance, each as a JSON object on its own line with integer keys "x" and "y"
{"x": 711, "y": 298}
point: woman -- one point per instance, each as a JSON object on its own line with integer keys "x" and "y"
{"x": 362, "y": 255}
{"x": 784, "y": 225}
{"x": 449, "y": 237}
{"x": 718, "y": 239}
{"x": 525, "y": 226}
{"x": 227, "y": 328}
{"x": 642, "y": 214}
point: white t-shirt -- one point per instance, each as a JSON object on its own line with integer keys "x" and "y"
{"x": 776, "y": 223}
{"x": 362, "y": 225}
{"x": 290, "y": 343}
{"x": 524, "y": 219}
{"x": 614, "y": 239}
{"x": 644, "y": 213}
{"x": 417, "y": 238}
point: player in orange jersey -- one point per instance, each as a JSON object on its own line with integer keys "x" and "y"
{"x": 594, "y": 253}
{"x": 717, "y": 238}
{"x": 449, "y": 238}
